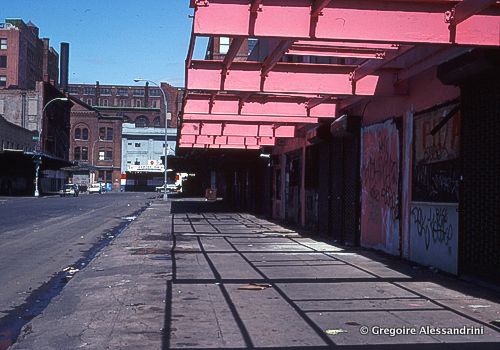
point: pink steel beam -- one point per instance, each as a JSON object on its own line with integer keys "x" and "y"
{"x": 317, "y": 101}
{"x": 466, "y": 9}
{"x": 322, "y": 51}
{"x": 227, "y": 140}
{"x": 342, "y": 44}
{"x": 255, "y": 6}
{"x": 372, "y": 66}
{"x": 286, "y": 78}
{"x": 271, "y": 61}
{"x": 249, "y": 118}
{"x": 257, "y": 105}
{"x": 231, "y": 54}
{"x": 440, "y": 56}
{"x": 233, "y": 129}
{"x": 318, "y": 6}
{"x": 383, "y": 21}
{"x": 190, "y": 145}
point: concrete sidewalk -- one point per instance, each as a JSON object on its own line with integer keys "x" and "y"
{"x": 236, "y": 281}
{"x": 118, "y": 300}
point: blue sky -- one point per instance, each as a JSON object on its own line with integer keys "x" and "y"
{"x": 113, "y": 41}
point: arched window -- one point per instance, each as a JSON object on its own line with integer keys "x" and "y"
{"x": 156, "y": 122}
{"x": 141, "y": 122}
{"x": 78, "y": 134}
{"x": 77, "y": 152}
{"x": 85, "y": 134}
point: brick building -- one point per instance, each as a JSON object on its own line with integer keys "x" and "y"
{"x": 24, "y": 57}
{"x": 96, "y": 122}
{"x": 141, "y": 105}
{"x": 96, "y": 142}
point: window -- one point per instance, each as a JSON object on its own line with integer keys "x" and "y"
{"x": 89, "y": 101}
{"x": 156, "y": 122}
{"x": 141, "y": 122}
{"x": 105, "y": 155}
{"x": 85, "y": 153}
{"x": 251, "y": 45}
{"x": 3, "y": 44}
{"x": 89, "y": 90}
{"x": 154, "y": 104}
{"x": 138, "y": 92}
{"x": 3, "y": 61}
{"x": 78, "y": 134}
{"x": 109, "y": 176}
{"x": 104, "y": 102}
{"x": 106, "y": 133}
{"x": 122, "y": 92}
{"x": 3, "y": 80}
{"x": 123, "y": 103}
{"x": 75, "y": 90}
{"x": 77, "y": 153}
{"x": 154, "y": 92}
{"x": 138, "y": 103}
{"x": 223, "y": 45}
{"x": 105, "y": 91}
{"x": 85, "y": 134}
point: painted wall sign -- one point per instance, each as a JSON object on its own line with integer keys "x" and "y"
{"x": 380, "y": 187}
{"x": 434, "y": 235}
{"x": 436, "y": 168}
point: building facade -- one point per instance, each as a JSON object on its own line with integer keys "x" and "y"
{"x": 143, "y": 150}
{"x": 25, "y": 58}
{"x": 96, "y": 124}
{"x": 96, "y": 143}
{"x": 141, "y": 105}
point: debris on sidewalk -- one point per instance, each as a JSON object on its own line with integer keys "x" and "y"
{"x": 335, "y": 331}
{"x": 71, "y": 270}
{"x": 255, "y": 286}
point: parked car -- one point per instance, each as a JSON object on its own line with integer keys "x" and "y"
{"x": 95, "y": 188}
{"x": 171, "y": 188}
{"x": 69, "y": 190}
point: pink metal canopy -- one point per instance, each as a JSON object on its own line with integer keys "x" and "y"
{"x": 348, "y": 50}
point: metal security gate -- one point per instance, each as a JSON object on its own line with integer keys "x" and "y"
{"x": 480, "y": 193}
{"x": 345, "y": 183}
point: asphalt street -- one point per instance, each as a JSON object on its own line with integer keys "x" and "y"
{"x": 39, "y": 237}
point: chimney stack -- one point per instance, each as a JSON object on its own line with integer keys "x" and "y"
{"x": 64, "y": 66}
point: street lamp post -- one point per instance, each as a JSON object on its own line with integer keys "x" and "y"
{"x": 92, "y": 156}
{"x": 165, "y": 194}
{"x": 40, "y": 144}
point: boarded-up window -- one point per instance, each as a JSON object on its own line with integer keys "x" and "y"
{"x": 436, "y": 152}
{"x": 32, "y": 106}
